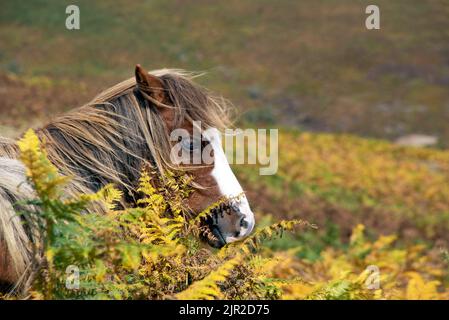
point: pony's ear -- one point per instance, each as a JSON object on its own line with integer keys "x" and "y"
{"x": 149, "y": 84}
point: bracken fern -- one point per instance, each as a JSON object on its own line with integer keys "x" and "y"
{"x": 153, "y": 252}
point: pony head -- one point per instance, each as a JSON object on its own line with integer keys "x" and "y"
{"x": 192, "y": 119}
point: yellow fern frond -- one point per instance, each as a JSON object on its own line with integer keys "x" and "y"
{"x": 419, "y": 289}
{"x": 109, "y": 196}
{"x": 208, "y": 211}
{"x": 253, "y": 242}
{"x": 207, "y": 288}
{"x": 42, "y": 173}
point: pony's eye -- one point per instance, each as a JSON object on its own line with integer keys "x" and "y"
{"x": 190, "y": 144}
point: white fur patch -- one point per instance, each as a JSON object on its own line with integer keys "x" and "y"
{"x": 228, "y": 183}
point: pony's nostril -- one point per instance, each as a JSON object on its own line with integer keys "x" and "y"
{"x": 243, "y": 223}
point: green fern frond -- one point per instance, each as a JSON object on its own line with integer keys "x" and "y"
{"x": 341, "y": 290}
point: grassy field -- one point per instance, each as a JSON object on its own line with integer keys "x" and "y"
{"x": 339, "y": 92}
{"x": 309, "y": 64}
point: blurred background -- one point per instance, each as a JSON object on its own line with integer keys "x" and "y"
{"x": 346, "y": 98}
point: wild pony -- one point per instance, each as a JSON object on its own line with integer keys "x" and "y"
{"x": 110, "y": 140}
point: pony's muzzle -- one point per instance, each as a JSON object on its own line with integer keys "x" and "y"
{"x": 229, "y": 223}
{"x": 244, "y": 225}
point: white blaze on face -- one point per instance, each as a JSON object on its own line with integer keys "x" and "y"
{"x": 228, "y": 183}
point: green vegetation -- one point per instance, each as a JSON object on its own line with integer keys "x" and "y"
{"x": 153, "y": 252}
{"x": 311, "y": 64}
